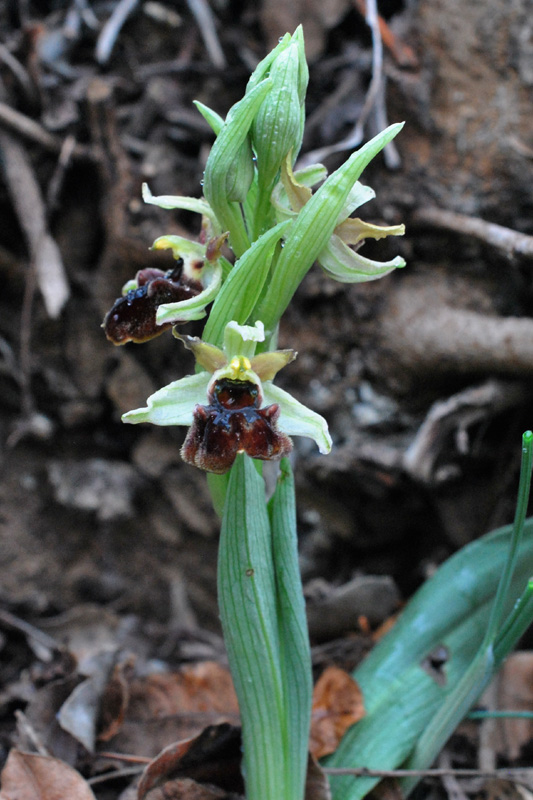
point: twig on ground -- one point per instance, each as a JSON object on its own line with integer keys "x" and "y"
{"x": 109, "y": 33}
{"x": 423, "y": 337}
{"x": 402, "y": 53}
{"x": 518, "y": 774}
{"x": 30, "y": 631}
{"x": 374, "y": 97}
{"x": 450, "y": 782}
{"x": 510, "y": 242}
{"x": 57, "y": 179}
{"x": 125, "y": 772}
{"x": 204, "y": 19}
{"x": 456, "y": 415}
{"x": 27, "y": 200}
{"x": 19, "y": 72}
{"x": 29, "y": 129}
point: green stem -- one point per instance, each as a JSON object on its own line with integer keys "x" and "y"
{"x": 247, "y": 602}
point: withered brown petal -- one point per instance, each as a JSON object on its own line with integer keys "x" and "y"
{"x": 132, "y": 317}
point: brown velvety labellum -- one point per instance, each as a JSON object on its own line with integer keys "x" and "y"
{"x": 233, "y": 423}
{"x": 132, "y": 317}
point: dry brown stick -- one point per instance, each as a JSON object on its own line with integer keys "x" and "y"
{"x": 204, "y": 17}
{"x": 15, "y": 121}
{"x": 27, "y": 200}
{"x": 510, "y": 242}
{"x": 507, "y": 773}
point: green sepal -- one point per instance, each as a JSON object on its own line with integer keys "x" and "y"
{"x": 194, "y": 307}
{"x": 296, "y": 419}
{"x": 169, "y": 201}
{"x": 345, "y": 265}
{"x": 314, "y": 226}
{"x": 173, "y": 404}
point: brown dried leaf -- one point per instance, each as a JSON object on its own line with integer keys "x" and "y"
{"x": 515, "y": 693}
{"x": 204, "y": 687}
{"x": 316, "y": 782}
{"x": 213, "y": 757}
{"x": 27, "y": 776}
{"x": 337, "y": 704}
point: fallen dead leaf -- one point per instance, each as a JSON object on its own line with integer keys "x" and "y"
{"x": 515, "y": 693}
{"x": 213, "y": 757}
{"x": 316, "y": 782}
{"x": 27, "y": 776}
{"x": 204, "y": 687}
{"x": 337, "y": 704}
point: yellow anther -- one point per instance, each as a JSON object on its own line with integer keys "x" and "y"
{"x": 239, "y": 365}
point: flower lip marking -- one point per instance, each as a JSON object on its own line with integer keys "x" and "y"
{"x": 233, "y": 422}
{"x": 132, "y": 317}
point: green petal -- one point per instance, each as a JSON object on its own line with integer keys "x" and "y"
{"x": 200, "y": 206}
{"x": 173, "y": 404}
{"x": 194, "y": 308}
{"x": 296, "y": 419}
{"x": 359, "y": 194}
{"x": 241, "y": 340}
{"x": 346, "y": 266}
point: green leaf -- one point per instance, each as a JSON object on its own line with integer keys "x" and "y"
{"x": 247, "y": 603}
{"x": 242, "y": 288}
{"x": 295, "y": 653}
{"x": 313, "y": 227}
{"x": 402, "y": 696}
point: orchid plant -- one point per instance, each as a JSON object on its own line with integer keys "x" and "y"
{"x": 275, "y": 227}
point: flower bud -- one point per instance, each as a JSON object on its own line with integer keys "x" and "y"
{"x": 278, "y": 125}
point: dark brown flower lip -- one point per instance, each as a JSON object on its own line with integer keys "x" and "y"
{"x": 233, "y": 423}
{"x": 132, "y": 318}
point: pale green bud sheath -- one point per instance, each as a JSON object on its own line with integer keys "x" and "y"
{"x": 229, "y": 148}
{"x": 277, "y": 128}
